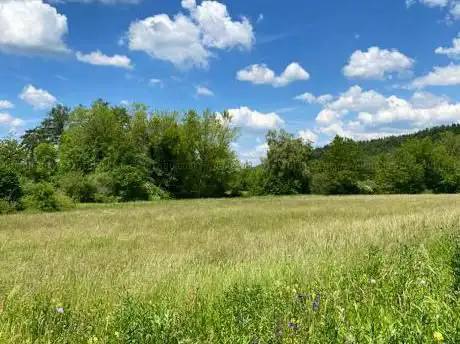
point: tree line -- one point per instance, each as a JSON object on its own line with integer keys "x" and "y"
{"x": 105, "y": 153}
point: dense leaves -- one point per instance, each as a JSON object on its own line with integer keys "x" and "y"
{"x": 105, "y": 153}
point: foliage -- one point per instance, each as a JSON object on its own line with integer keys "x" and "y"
{"x": 41, "y": 196}
{"x": 105, "y": 153}
{"x": 286, "y": 166}
{"x": 78, "y": 187}
{"x": 10, "y": 187}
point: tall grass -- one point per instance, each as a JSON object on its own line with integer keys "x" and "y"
{"x": 381, "y": 269}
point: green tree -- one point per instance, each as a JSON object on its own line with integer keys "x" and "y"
{"x": 342, "y": 169}
{"x": 286, "y": 166}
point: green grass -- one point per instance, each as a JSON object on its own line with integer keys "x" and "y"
{"x": 383, "y": 269}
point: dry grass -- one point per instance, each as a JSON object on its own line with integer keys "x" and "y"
{"x": 92, "y": 255}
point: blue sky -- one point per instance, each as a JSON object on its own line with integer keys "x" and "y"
{"x": 357, "y": 68}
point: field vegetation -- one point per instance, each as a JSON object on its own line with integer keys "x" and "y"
{"x": 353, "y": 269}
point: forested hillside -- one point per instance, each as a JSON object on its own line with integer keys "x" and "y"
{"x": 105, "y": 153}
{"x": 388, "y": 144}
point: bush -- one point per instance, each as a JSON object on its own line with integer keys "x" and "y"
{"x": 78, "y": 187}
{"x": 156, "y": 193}
{"x": 10, "y": 187}
{"x": 41, "y": 196}
{"x": 124, "y": 183}
{"x": 7, "y": 207}
{"x": 130, "y": 183}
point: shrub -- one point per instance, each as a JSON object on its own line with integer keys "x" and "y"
{"x": 7, "y": 207}
{"x": 130, "y": 183}
{"x": 41, "y": 196}
{"x": 78, "y": 187}
{"x": 155, "y": 192}
{"x": 10, "y": 187}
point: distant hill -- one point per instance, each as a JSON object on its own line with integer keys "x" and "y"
{"x": 387, "y": 144}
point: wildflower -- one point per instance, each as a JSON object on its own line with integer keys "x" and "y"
{"x": 316, "y": 303}
{"x": 438, "y": 337}
{"x": 292, "y": 324}
{"x": 422, "y": 282}
{"x": 59, "y": 310}
{"x": 372, "y": 281}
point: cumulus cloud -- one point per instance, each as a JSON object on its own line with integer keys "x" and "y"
{"x": 373, "y": 109}
{"x": 312, "y": 99}
{"x": 260, "y": 74}
{"x": 251, "y": 119}
{"x": 31, "y": 27}
{"x": 187, "y": 40}
{"x": 203, "y": 91}
{"x": 354, "y": 130}
{"x": 453, "y": 52}
{"x": 5, "y": 104}
{"x": 451, "y": 7}
{"x": 440, "y": 76}
{"x": 353, "y": 100}
{"x": 38, "y": 98}
{"x": 7, "y": 120}
{"x": 254, "y": 155}
{"x": 308, "y": 136}
{"x": 376, "y": 63}
{"x": 217, "y": 27}
{"x": 176, "y": 40}
{"x": 99, "y": 59}
{"x": 429, "y": 3}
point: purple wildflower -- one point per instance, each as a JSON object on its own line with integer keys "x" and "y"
{"x": 292, "y": 325}
{"x": 316, "y": 303}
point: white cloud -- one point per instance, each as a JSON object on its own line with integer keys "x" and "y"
{"x": 367, "y": 114}
{"x": 31, "y": 27}
{"x": 254, "y": 155}
{"x": 260, "y": 74}
{"x": 429, "y": 3}
{"x": 125, "y": 103}
{"x": 453, "y": 52}
{"x": 308, "y": 136}
{"x": 8, "y": 120}
{"x": 217, "y": 27}
{"x": 99, "y": 59}
{"x": 260, "y": 18}
{"x": 376, "y": 63}
{"x": 455, "y": 11}
{"x": 177, "y": 40}
{"x": 5, "y": 104}
{"x": 186, "y": 41}
{"x": 440, "y": 76}
{"x": 38, "y": 98}
{"x": 452, "y": 7}
{"x": 356, "y": 131}
{"x": 312, "y": 99}
{"x": 251, "y": 119}
{"x": 203, "y": 91}
{"x": 355, "y": 99}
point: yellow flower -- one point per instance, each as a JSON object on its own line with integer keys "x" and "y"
{"x": 438, "y": 337}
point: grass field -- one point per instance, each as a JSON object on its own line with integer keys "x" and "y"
{"x": 383, "y": 269}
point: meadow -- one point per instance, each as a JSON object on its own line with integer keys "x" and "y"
{"x": 355, "y": 269}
